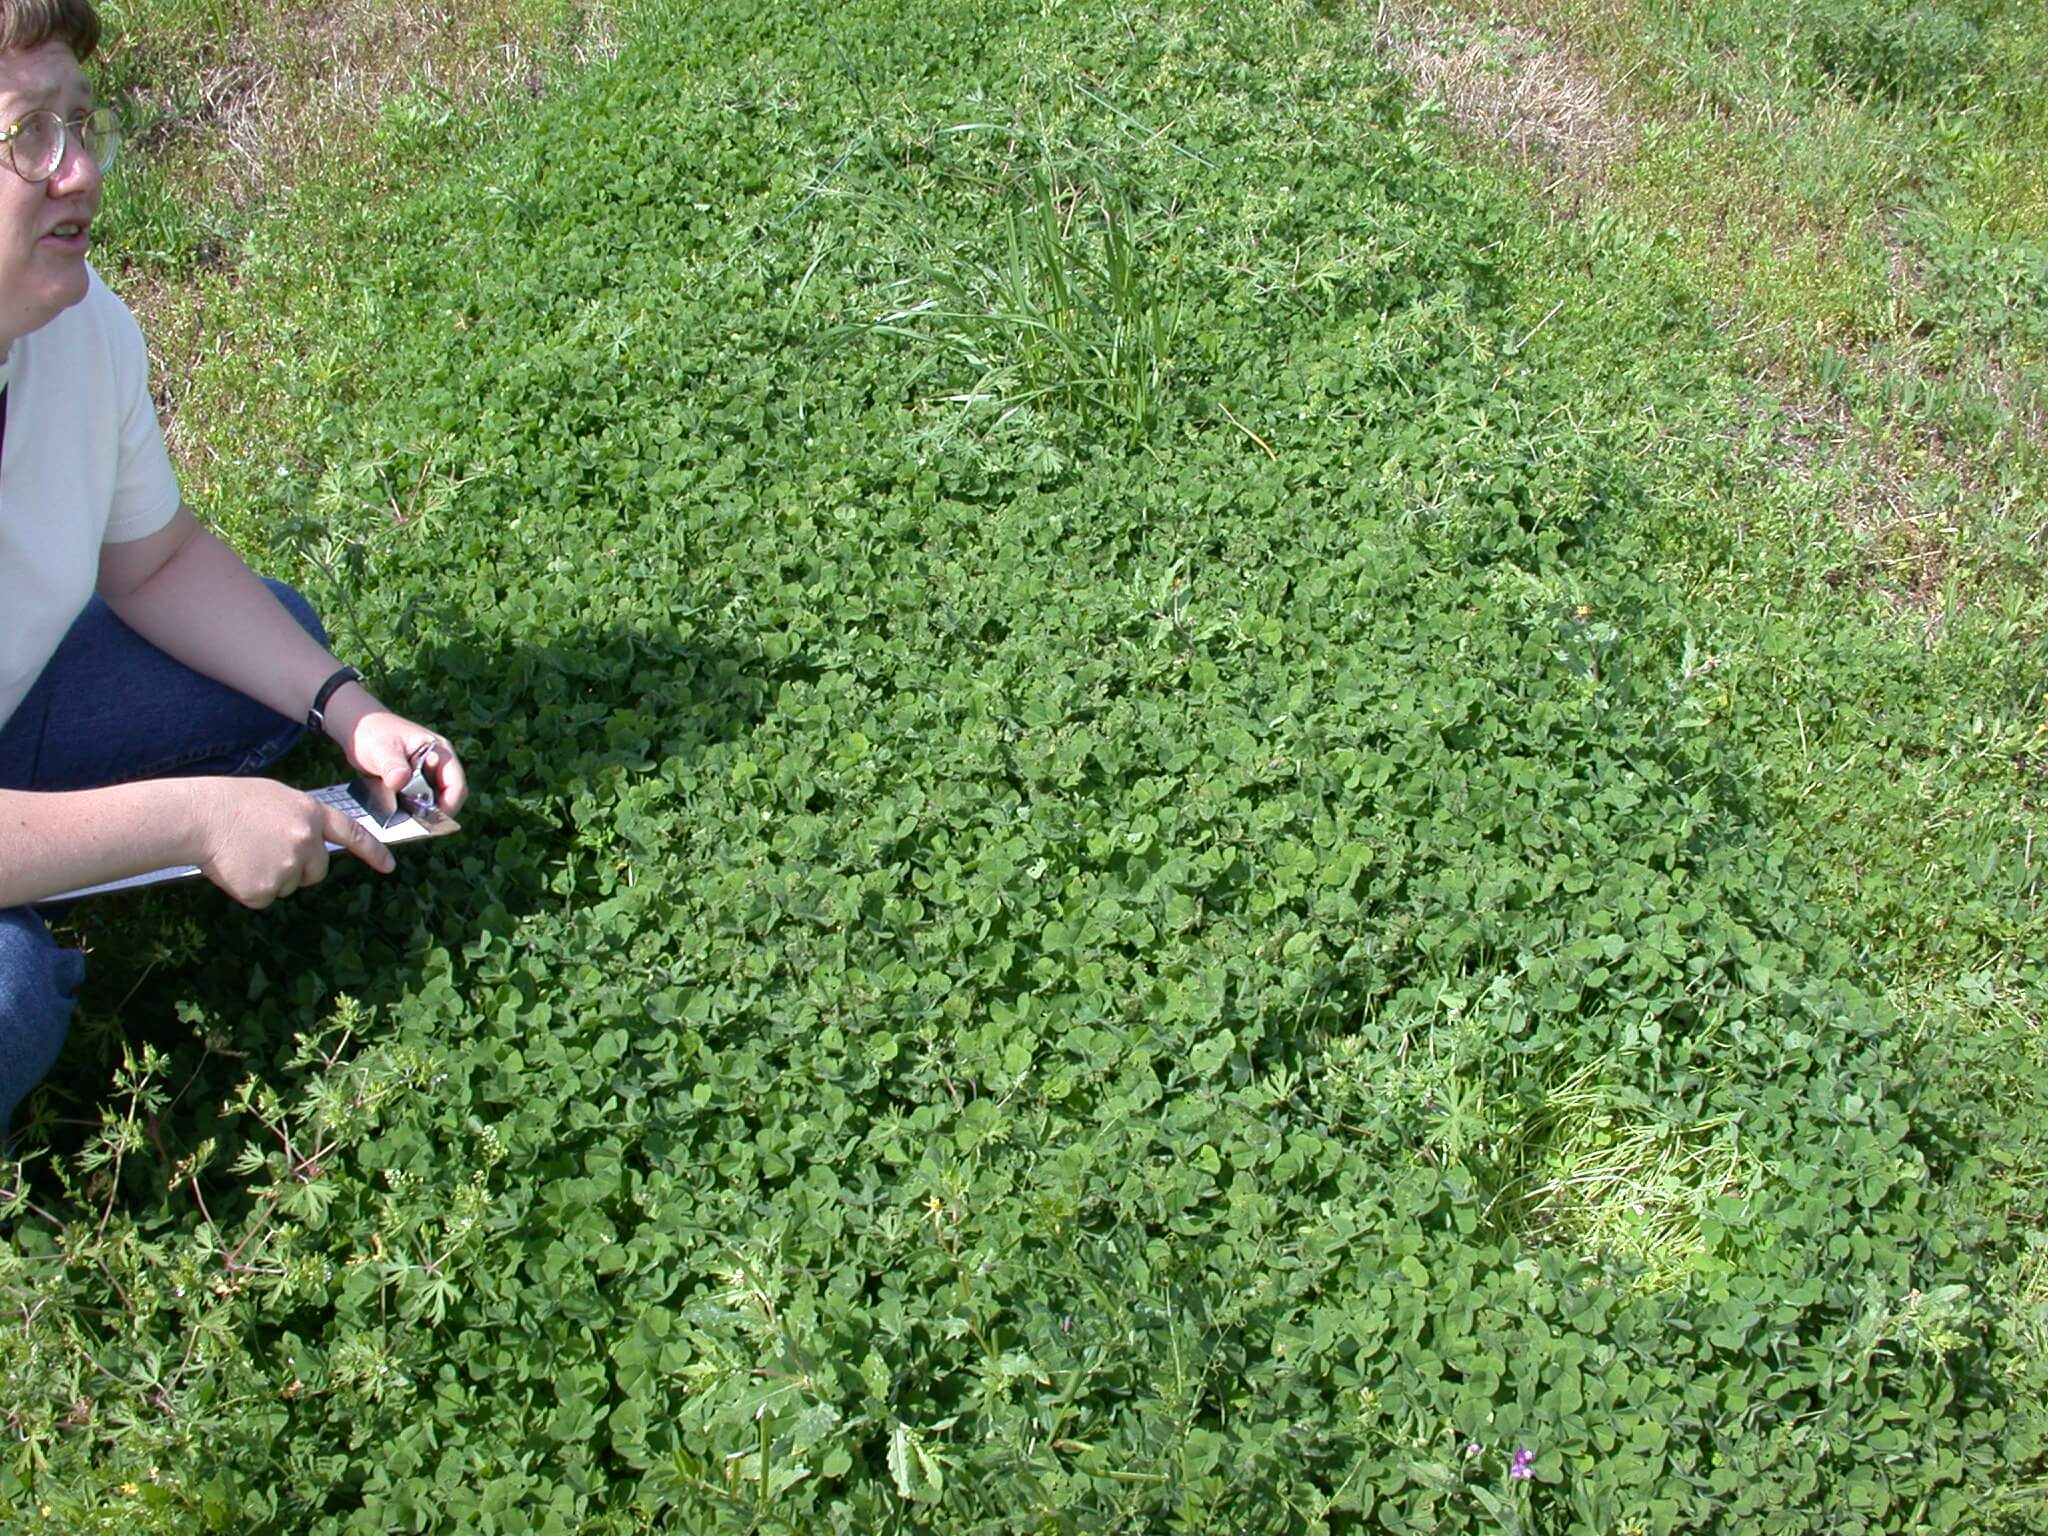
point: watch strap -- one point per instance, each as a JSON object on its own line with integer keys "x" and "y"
{"x": 316, "y": 717}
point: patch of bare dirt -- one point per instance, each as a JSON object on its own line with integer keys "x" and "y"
{"x": 1507, "y": 84}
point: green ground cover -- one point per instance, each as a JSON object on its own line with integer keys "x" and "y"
{"x": 1184, "y": 824}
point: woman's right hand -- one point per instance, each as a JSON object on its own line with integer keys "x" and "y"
{"x": 258, "y": 839}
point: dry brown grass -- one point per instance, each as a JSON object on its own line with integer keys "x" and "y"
{"x": 1508, "y": 85}
{"x": 289, "y": 91}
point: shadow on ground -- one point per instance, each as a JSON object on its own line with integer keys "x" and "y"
{"x": 539, "y": 724}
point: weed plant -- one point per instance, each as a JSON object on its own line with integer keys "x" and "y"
{"x": 1180, "y": 891}
{"x": 1068, "y": 311}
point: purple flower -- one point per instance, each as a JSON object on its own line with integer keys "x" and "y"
{"x": 1474, "y": 1448}
{"x": 1525, "y": 1465}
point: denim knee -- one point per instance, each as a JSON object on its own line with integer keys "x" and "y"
{"x": 38, "y": 988}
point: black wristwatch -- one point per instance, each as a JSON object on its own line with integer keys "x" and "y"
{"x": 316, "y": 717}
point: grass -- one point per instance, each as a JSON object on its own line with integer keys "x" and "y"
{"x": 232, "y": 108}
{"x": 1869, "y": 226}
{"x": 1871, "y": 243}
{"x": 1070, "y": 311}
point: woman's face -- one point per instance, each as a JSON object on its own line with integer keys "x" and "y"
{"x": 43, "y": 225}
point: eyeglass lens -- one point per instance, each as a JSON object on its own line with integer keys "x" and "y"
{"x": 38, "y": 141}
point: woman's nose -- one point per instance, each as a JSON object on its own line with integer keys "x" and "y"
{"x": 78, "y": 172}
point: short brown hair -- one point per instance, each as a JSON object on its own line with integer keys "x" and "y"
{"x": 26, "y": 24}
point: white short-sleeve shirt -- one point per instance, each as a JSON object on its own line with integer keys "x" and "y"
{"x": 83, "y": 464}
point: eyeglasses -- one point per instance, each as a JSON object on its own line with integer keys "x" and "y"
{"x": 36, "y": 144}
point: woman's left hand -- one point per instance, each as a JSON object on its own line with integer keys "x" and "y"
{"x": 384, "y": 745}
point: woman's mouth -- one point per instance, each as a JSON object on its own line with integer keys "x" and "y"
{"x": 71, "y": 234}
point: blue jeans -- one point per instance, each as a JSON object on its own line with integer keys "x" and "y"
{"x": 110, "y": 708}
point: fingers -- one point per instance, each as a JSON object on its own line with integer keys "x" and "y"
{"x": 451, "y": 784}
{"x": 260, "y": 840}
{"x": 391, "y": 747}
{"x": 348, "y": 833}
{"x": 313, "y": 868}
{"x": 443, "y": 769}
{"x": 304, "y": 860}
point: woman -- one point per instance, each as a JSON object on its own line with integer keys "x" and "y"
{"x": 142, "y": 665}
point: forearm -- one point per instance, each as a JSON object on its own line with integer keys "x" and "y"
{"x": 191, "y": 597}
{"x": 209, "y": 610}
{"x": 59, "y": 842}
